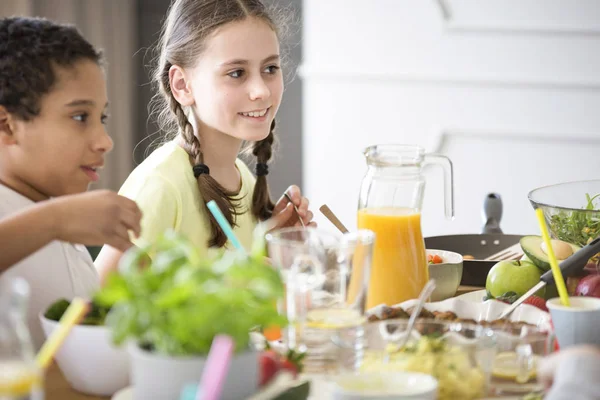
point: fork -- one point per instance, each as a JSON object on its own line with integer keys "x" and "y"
{"x": 513, "y": 252}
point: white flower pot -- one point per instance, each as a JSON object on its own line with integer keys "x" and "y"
{"x": 159, "y": 377}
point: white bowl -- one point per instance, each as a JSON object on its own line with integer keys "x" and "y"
{"x": 447, "y": 275}
{"x": 385, "y": 386}
{"x": 89, "y": 361}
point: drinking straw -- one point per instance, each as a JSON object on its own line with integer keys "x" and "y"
{"x": 70, "y": 318}
{"x": 216, "y": 368}
{"x": 222, "y": 221}
{"x": 558, "y": 278}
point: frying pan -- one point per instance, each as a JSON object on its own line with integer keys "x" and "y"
{"x": 480, "y": 246}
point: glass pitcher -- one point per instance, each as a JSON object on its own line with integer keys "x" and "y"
{"x": 20, "y": 378}
{"x": 391, "y": 198}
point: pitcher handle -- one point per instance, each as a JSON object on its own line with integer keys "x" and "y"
{"x": 446, "y": 165}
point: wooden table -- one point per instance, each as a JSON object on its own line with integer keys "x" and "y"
{"x": 57, "y": 387}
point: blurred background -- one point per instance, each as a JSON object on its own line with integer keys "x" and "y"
{"x": 508, "y": 89}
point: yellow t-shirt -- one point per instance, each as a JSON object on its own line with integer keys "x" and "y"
{"x": 165, "y": 189}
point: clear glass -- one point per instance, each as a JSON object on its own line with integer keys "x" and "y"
{"x": 326, "y": 285}
{"x": 459, "y": 356}
{"x": 519, "y": 351}
{"x": 390, "y": 203}
{"x": 20, "y": 377}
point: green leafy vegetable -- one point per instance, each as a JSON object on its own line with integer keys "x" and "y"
{"x": 95, "y": 316}
{"x": 577, "y": 227}
{"x": 173, "y": 301}
{"x": 57, "y": 309}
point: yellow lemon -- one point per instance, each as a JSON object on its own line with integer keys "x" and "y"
{"x": 333, "y": 318}
{"x": 506, "y": 367}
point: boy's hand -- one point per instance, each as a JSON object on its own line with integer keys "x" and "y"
{"x": 284, "y": 214}
{"x": 96, "y": 218}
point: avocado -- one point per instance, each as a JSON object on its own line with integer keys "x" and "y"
{"x": 534, "y": 249}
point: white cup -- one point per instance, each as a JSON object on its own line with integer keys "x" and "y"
{"x": 577, "y": 324}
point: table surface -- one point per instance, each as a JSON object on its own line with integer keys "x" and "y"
{"x": 57, "y": 388}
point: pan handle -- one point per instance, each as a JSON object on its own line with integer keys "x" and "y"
{"x": 492, "y": 213}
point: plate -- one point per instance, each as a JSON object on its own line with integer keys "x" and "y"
{"x": 124, "y": 394}
{"x": 474, "y": 297}
{"x": 490, "y": 310}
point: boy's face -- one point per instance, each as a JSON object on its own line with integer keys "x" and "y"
{"x": 62, "y": 149}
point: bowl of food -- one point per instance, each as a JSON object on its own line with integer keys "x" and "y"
{"x": 459, "y": 356}
{"x": 88, "y": 359}
{"x": 571, "y": 210}
{"x": 446, "y": 267}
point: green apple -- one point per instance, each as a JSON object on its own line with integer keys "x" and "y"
{"x": 513, "y": 276}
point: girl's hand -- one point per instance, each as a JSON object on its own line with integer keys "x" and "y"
{"x": 284, "y": 214}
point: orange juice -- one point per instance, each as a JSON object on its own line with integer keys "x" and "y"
{"x": 399, "y": 268}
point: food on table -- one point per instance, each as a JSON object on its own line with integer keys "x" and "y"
{"x": 388, "y": 313}
{"x": 589, "y": 286}
{"x": 434, "y": 259}
{"x": 506, "y": 367}
{"x": 271, "y": 363}
{"x": 513, "y": 276}
{"x": 578, "y": 227}
{"x": 468, "y": 257}
{"x": 95, "y": 316}
{"x": 535, "y": 249}
{"x": 333, "y": 318}
{"x": 511, "y": 297}
{"x": 458, "y": 377}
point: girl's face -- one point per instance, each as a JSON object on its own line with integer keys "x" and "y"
{"x": 61, "y": 150}
{"x": 237, "y": 82}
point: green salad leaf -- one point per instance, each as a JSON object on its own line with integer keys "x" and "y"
{"x": 577, "y": 227}
{"x": 172, "y": 300}
{"x": 95, "y": 316}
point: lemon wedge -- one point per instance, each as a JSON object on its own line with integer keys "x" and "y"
{"x": 506, "y": 367}
{"x": 333, "y": 318}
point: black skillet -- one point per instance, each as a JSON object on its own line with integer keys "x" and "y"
{"x": 479, "y": 246}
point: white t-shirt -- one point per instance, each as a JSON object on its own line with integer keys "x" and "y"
{"x": 58, "y": 270}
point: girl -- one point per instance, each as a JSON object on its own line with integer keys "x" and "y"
{"x": 220, "y": 83}
{"x": 53, "y": 143}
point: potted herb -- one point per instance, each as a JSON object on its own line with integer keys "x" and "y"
{"x": 88, "y": 359}
{"x": 170, "y": 303}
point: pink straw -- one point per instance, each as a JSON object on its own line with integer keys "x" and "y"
{"x": 216, "y": 368}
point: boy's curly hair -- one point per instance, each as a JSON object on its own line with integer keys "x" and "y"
{"x": 30, "y": 49}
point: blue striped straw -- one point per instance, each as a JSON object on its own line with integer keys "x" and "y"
{"x": 222, "y": 221}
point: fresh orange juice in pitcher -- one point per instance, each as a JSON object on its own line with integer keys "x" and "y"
{"x": 390, "y": 205}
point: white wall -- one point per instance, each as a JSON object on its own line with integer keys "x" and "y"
{"x": 508, "y": 89}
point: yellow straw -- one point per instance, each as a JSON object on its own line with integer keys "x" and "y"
{"x": 558, "y": 278}
{"x": 72, "y": 315}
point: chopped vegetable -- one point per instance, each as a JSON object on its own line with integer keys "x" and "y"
{"x": 434, "y": 259}
{"x": 577, "y": 227}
